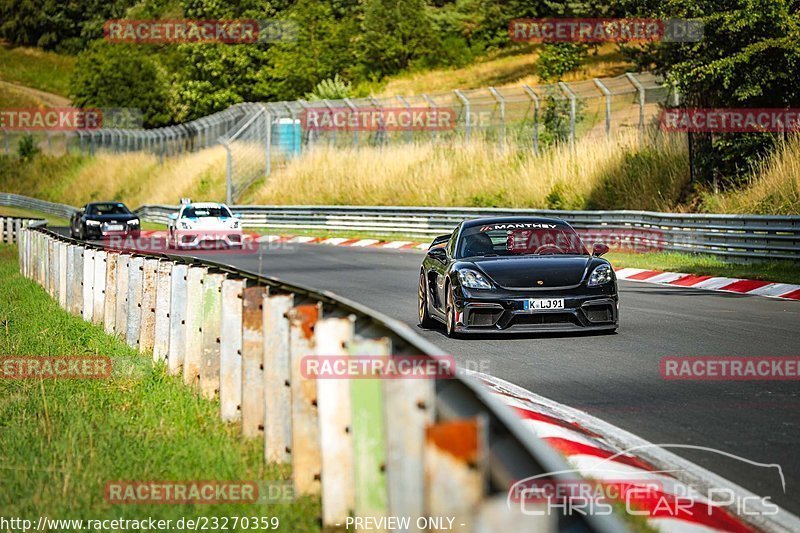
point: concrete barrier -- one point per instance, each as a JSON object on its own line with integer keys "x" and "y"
{"x": 161, "y": 328}
{"x": 212, "y": 322}
{"x": 147, "y": 323}
{"x": 194, "y": 326}
{"x": 177, "y": 319}
{"x": 135, "y": 271}
{"x": 230, "y": 350}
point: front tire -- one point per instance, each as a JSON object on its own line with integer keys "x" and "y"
{"x": 450, "y": 314}
{"x": 425, "y": 320}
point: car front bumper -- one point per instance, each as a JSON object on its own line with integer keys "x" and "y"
{"x": 199, "y": 238}
{"x": 585, "y": 309}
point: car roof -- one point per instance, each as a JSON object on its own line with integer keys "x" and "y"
{"x": 205, "y": 204}
{"x": 104, "y": 203}
{"x": 512, "y": 220}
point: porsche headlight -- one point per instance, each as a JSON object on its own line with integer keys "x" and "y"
{"x": 473, "y": 280}
{"x": 601, "y": 275}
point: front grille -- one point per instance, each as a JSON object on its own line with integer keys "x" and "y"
{"x": 542, "y": 319}
{"x": 599, "y": 313}
{"x": 483, "y": 317}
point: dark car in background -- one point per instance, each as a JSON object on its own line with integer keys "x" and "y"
{"x": 99, "y": 219}
{"x": 516, "y": 274}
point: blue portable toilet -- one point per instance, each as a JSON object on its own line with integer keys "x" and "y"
{"x": 288, "y": 134}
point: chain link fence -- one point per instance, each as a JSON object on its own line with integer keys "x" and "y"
{"x": 259, "y": 137}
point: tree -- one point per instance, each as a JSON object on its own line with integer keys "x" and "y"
{"x": 122, "y": 75}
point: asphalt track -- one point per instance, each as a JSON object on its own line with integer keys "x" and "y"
{"x": 613, "y": 377}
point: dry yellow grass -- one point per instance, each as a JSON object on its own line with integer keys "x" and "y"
{"x": 480, "y": 175}
{"x": 501, "y": 71}
{"x": 774, "y": 190}
{"x": 137, "y": 178}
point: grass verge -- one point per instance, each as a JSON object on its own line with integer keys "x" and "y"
{"x": 62, "y": 440}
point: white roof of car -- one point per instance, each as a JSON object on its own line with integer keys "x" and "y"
{"x": 205, "y": 204}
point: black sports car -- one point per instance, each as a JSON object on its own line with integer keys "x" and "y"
{"x": 516, "y": 274}
{"x": 98, "y": 219}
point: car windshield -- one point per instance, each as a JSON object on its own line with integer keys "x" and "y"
{"x": 107, "y": 209}
{"x": 520, "y": 238}
{"x": 202, "y": 212}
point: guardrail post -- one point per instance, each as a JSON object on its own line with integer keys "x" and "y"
{"x": 369, "y": 434}
{"x": 135, "y": 267}
{"x": 455, "y": 466}
{"x": 212, "y": 321}
{"x": 230, "y": 351}
{"x": 52, "y": 265}
{"x": 109, "y": 314}
{"x": 62, "y": 274}
{"x": 253, "y": 362}
{"x": 334, "y": 336}
{"x": 147, "y": 324}
{"x": 194, "y": 325}
{"x": 277, "y": 379}
{"x": 161, "y": 327}
{"x": 177, "y": 319}
{"x": 88, "y": 283}
{"x": 99, "y": 287}
{"x": 75, "y": 302}
{"x": 121, "y": 313}
{"x": 408, "y": 409}
{"x": 305, "y": 422}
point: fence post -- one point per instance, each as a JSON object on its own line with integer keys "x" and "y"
{"x": 161, "y": 328}
{"x": 177, "y": 319}
{"x": 369, "y": 435}
{"x": 305, "y": 421}
{"x": 228, "y": 173}
{"x": 76, "y": 292}
{"x": 230, "y": 351}
{"x": 253, "y": 362}
{"x": 51, "y": 265}
{"x": 502, "y": 101}
{"x": 194, "y": 325}
{"x": 535, "y": 100}
{"x": 88, "y": 283}
{"x": 607, "y": 93}
{"x": 455, "y": 468}
{"x": 573, "y": 110}
{"x": 468, "y": 120}
{"x": 62, "y": 274}
{"x": 147, "y": 321}
{"x": 408, "y": 409}
{"x": 640, "y": 90}
{"x": 277, "y": 379}
{"x": 212, "y": 321}
{"x": 99, "y": 287}
{"x": 433, "y": 106}
{"x": 135, "y": 291}
{"x": 109, "y": 318}
{"x": 334, "y": 336}
{"x": 121, "y": 313}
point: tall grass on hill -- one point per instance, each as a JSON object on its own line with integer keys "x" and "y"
{"x": 600, "y": 174}
{"x": 774, "y": 189}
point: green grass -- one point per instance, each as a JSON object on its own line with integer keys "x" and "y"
{"x": 45, "y": 71}
{"x": 61, "y": 441}
{"x": 30, "y": 213}
{"x": 780, "y": 271}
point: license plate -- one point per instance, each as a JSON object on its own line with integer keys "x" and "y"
{"x": 539, "y": 304}
{"x": 113, "y": 227}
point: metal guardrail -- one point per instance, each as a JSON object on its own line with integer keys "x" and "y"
{"x": 34, "y": 204}
{"x": 733, "y": 237}
{"x": 242, "y": 337}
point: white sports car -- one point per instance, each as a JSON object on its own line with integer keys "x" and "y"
{"x": 198, "y": 224}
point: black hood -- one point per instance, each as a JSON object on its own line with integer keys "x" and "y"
{"x": 120, "y": 217}
{"x": 534, "y": 271}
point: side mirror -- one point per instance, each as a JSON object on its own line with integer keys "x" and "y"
{"x": 440, "y": 254}
{"x": 599, "y": 249}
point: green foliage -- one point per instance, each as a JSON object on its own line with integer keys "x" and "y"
{"x": 556, "y": 118}
{"x": 27, "y": 147}
{"x": 331, "y": 89}
{"x": 557, "y": 59}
